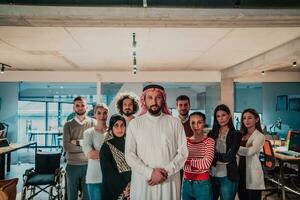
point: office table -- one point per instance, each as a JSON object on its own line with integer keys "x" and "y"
{"x": 33, "y": 133}
{"x": 7, "y": 151}
{"x": 281, "y": 160}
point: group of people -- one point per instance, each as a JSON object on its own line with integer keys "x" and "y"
{"x": 142, "y": 157}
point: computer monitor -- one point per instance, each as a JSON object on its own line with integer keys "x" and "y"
{"x": 294, "y": 144}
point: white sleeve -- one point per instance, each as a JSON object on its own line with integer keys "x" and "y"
{"x": 256, "y": 147}
{"x": 182, "y": 152}
{"x": 87, "y": 144}
{"x": 131, "y": 155}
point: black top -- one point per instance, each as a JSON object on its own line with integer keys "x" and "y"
{"x": 242, "y": 167}
{"x": 114, "y": 182}
{"x": 153, "y": 86}
{"x": 233, "y": 141}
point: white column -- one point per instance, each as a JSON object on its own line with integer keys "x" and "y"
{"x": 227, "y": 93}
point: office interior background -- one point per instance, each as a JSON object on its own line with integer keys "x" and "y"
{"x": 245, "y": 54}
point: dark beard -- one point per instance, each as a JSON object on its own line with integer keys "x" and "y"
{"x": 127, "y": 113}
{"x": 185, "y": 114}
{"x": 154, "y": 112}
{"x": 80, "y": 114}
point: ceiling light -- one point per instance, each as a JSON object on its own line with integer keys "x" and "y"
{"x": 262, "y": 72}
{"x": 145, "y": 3}
{"x": 294, "y": 64}
{"x": 134, "y": 66}
{"x": 3, "y": 67}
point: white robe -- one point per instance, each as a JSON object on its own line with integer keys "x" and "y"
{"x": 155, "y": 142}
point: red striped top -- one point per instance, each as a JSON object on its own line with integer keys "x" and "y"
{"x": 201, "y": 154}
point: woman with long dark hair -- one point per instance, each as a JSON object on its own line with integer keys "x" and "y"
{"x": 225, "y": 175}
{"x": 116, "y": 172}
{"x": 251, "y": 173}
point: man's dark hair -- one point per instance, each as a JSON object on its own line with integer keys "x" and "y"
{"x": 182, "y": 98}
{"x": 120, "y": 99}
{"x": 79, "y": 98}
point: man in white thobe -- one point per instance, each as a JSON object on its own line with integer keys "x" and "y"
{"x": 155, "y": 149}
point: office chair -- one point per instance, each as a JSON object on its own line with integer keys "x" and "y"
{"x": 268, "y": 163}
{"x": 3, "y": 129}
{"x": 8, "y": 189}
{"x": 46, "y": 174}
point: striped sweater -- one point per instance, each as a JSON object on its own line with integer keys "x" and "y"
{"x": 201, "y": 154}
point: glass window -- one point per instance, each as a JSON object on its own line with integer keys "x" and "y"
{"x": 31, "y": 117}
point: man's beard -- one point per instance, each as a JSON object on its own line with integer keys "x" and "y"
{"x": 128, "y": 113}
{"x": 154, "y": 112}
{"x": 80, "y": 114}
{"x": 184, "y": 113}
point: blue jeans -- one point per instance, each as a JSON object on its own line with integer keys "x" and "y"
{"x": 224, "y": 188}
{"x": 94, "y": 190}
{"x": 196, "y": 190}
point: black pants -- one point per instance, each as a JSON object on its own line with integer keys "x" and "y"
{"x": 245, "y": 194}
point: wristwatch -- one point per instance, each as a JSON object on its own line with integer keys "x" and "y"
{"x": 77, "y": 143}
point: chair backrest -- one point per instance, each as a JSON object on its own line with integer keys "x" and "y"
{"x": 269, "y": 157}
{"x": 47, "y": 162}
{"x": 3, "y": 129}
{"x": 8, "y": 189}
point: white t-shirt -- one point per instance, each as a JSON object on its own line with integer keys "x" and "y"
{"x": 93, "y": 140}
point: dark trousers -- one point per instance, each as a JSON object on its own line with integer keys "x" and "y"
{"x": 245, "y": 194}
{"x": 76, "y": 181}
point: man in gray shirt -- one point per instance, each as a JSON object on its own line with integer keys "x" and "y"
{"x": 76, "y": 160}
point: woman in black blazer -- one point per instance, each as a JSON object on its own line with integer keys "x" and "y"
{"x": 225, "y": 173}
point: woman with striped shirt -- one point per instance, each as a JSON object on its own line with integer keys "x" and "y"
{"x": 196, "y": 184}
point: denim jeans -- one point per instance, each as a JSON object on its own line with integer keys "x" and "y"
{"x": 94, "y": 190}
{"x": 196, "y": 190}
{"x": 224, "y": 188}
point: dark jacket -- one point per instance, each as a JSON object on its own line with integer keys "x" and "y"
{"x": 233, "y": 141}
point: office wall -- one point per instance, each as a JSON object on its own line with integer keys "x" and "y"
{"x": 9, "y": 108}
{"x": 213, "y": 96}
{"x": 270, "y": 93}
{"x": 264, "y": 100}
{"x": 247, "y": 97}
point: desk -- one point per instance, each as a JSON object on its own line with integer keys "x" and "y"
{"x": 7, "y": 151}
{"x": 33, "y": 133}
{"x": 285, "y": 159}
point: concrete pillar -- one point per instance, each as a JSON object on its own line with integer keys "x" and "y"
{"x": 227, "y": 93}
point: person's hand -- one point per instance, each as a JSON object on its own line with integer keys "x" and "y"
{"x": 93, "y": 154}
{"x": 126, "y": 192}
{"x": 73, "y": 142}
{"x": 158, "y": 176}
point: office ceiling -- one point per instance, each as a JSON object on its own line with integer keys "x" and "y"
{"x": 110, "y": 49}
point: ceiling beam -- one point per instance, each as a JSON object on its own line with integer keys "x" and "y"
{"x": 275, "y": 58}
{"x": 72, "y": 16}
{"x": 123, "y": 77}
{"x": 270, "y": 77}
